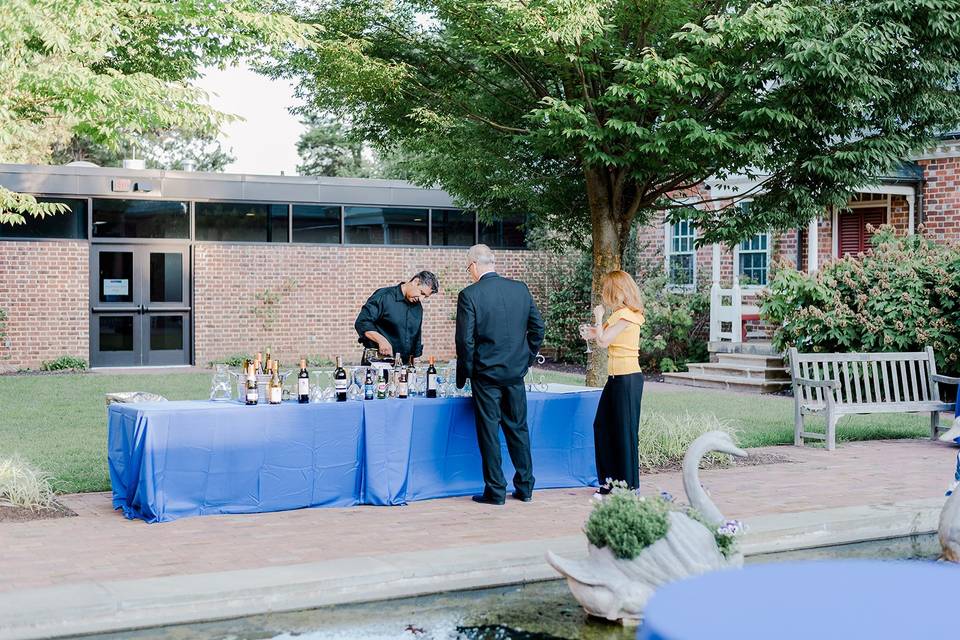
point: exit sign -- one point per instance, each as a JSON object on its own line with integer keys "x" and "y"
{"x": 121, "y": 184}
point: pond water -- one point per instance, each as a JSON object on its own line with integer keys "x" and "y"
{"x": 537, "y": 611}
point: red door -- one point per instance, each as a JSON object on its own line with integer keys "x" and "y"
{"x": 853, "y": 234}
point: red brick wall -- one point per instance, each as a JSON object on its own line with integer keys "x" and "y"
{"x": 43, "y": 289}
{"x": 316, "y": 317}
{"x": 941, "y": 199}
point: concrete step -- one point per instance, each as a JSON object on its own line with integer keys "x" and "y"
{"x": 778, "y": 374}
{"x": 738, "y": 360}
{"x": 730, "y": 383}
{"x": 756, "y": 347}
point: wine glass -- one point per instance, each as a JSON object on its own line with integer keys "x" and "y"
{"x": 585, "y": 330}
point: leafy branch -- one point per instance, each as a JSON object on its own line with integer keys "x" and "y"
{"x": 268, "y": 303}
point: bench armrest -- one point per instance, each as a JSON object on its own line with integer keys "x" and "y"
{"x": 946, "y": 379}
{"x": 807, "y": 382}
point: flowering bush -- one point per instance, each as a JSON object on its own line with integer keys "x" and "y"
{"x": 628, "y": 523}
{"x": 903, "y": 295}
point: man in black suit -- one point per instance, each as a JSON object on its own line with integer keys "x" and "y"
{"x": 499, "y": 332}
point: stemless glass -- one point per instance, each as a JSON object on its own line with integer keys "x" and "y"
{"x": 221, "y": 387}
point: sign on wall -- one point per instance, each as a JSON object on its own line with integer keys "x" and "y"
{"x": 120, "y": 287}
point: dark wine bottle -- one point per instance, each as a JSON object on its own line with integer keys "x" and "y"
{"x": 431, "y": 379}
{"x": 303, "y": 383}
{"x": 340, "y": 380}
{"x": 368, "y": 386}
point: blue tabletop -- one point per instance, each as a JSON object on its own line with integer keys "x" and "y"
{"x": 842, "y": 599}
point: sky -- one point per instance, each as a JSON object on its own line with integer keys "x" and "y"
{"x": 264, "y": 142}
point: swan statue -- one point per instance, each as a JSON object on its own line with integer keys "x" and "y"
{"x": 949, "y": 528}
{"x": 618, "y": 589}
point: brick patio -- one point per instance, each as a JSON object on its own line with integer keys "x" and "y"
{"x": 100, "y": 545}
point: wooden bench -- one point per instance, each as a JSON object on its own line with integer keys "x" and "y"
{"x": 839, "y": 384}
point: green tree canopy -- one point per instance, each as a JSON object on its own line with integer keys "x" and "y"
{"x": 330, "y": 147}
{"x": 590, "y": 114}
{"x": 112, "y": 69}
{"x": 165, "y": 150}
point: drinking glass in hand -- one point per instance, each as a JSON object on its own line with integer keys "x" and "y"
{"x": 587, "y": 332}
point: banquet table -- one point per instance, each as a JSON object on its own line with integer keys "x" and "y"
{"x": 879, "y": 600}
{"x": 170, "y": 460}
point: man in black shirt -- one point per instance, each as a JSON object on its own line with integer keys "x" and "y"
{"x": 390, "y": 320}
{"x": 499, "y": 332}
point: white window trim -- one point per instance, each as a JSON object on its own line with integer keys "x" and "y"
{"x": 668, "y": 251}
{"x": 736, "y": 262}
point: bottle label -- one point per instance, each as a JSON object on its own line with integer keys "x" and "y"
{"x": 432, "y": 381}
{"x": 251, "y": 395}
{"x": 340, "y": 385}
{"x": 303, "y": 386}
{"x": 276, "y": 394}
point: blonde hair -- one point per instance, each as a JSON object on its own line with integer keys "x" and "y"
{"x": 619, "y": 290}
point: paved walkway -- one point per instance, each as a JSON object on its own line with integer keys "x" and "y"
{"x": 100, "y": 545}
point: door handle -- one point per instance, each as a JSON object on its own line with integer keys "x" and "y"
{"x": 114, "y": 309}
{"x": 165, "y": 309}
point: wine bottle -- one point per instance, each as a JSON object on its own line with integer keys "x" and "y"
{"x": 402, "y": 386}
{"x": 382, "y": 385}
{"x": 368, "y": 385}
{"x": 275, "y": 387}
{"x": 411, "y": 378}
{"x": 431, "y": 379}
{"x": 340, "y": 380}
{"x": 268, "y": 359}
{"x": 252, "y": 394}
{"x": 258, "y": 364}
{"x": 303, "y": 383}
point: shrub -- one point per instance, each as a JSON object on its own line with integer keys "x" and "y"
{"x": 64, "y": 363}
{"x": 901, "y": 296}
{"x": 235, "y": 360}
{"x": 664, "y": 439}
{"x": 22, "y": 485}
{"x": 675, "y": 328}
{"x": 320, "y": 361}
{"x": 627, "y": 523}
{"x": 567, "y": 308}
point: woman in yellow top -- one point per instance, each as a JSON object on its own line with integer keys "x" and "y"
{"x": 616, "y": 427}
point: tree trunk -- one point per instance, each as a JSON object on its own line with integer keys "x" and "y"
{"x": 607, "y": 249}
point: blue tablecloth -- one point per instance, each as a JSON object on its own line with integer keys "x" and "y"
{"x": 169, "y": 460}
{"x": 807, "y": 600}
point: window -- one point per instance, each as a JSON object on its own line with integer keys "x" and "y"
{"x": 754, "y": 260}
{"x": 454, "y": 228}
{"x": 853, "y": 236}
{"x": 385, "y": 225}
{"x": 71, "y": 224}
{"x": 316, "y": 223}
{"x": 241, "y": 222}
{"x": 504, "y": 233}
{"x": 682, "y": 256}
{"x": 140, "y": 219}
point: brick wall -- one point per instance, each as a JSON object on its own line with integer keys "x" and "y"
{"x": 43, "y": 289}
{"x": 941, "y": 199}
{"x": 316, "y": 316}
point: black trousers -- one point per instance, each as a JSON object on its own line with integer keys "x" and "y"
{"x": 496, "y": 405}
{"x": 616, "y": 428}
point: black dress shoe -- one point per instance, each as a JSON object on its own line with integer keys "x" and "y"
{"x": 521, "y": 497}
{"x": 483, "y": 499}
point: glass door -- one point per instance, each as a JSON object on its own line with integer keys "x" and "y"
{"x": 140, "y": 305}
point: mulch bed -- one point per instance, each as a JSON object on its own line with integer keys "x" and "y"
{"x": 753, "y": 460}
{"x": 25, "y": 514}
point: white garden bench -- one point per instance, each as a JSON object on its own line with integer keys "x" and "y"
{"x": 839, "y": 384}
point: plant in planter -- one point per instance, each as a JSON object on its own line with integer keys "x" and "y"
{"x": 636, "y": 544}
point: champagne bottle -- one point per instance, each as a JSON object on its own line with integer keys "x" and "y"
{"x": 382, "y": 385}
{"x": 275, "y": 388}
{"x": 431, "y": 379}
{"x": 252, "y": 393}
{"x": 303, "y": 383}
{"x": 340, "y": 380}
{"x": 269, "y": 359}
{"x": 368, "y": 385}
{"x": 258, "y": 364}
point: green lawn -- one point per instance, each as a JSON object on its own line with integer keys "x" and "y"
{"x": 58, "y": 422}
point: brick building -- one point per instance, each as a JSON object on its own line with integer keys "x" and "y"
{"x": 173, "y": 268}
